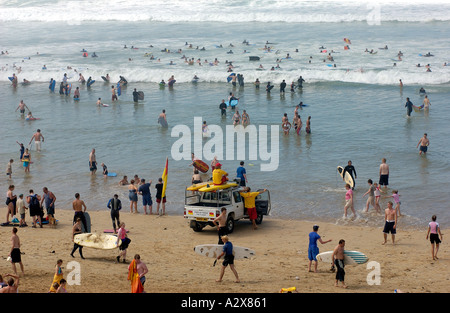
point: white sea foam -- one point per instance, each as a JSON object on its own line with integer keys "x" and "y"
{"x": 223, "y": 11}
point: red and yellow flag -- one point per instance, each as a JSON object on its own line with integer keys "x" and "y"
{"x": 164, "y": 178}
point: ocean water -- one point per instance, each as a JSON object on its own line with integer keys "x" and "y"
{"x": 356, "y": 108}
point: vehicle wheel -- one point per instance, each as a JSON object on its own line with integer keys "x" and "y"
{"x": 197, "y": 227}
{"x": 259, "y": 219}
{"x": 230, "y": 224}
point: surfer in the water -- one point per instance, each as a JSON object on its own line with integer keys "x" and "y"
{"x": 113, "y": 93}
{"x": 350, "y": 169}
{"x": 409, "y": 105}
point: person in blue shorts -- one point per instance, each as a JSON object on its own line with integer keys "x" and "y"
{"x": 313, "y": 249}
{"x": 144, "y": 191}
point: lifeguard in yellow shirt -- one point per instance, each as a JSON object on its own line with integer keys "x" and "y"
{"x": 249, "y": 203}
{"x": 219, "y": 176}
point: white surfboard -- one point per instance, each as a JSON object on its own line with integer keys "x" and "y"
{"x": 348, "y": 179}
{"x": 214, "y": 250}
{"x": 97, "y": 241}
{"x": 350, "y": 257}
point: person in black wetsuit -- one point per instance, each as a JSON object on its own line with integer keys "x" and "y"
{"x": 135, "y": 95}
{"x": 223, "y": 108}
{"x": 350, "y": 169}
{"x": 282, "y": 87}
{"x": 409, "y": 107}
{"x": 300, "y": 82}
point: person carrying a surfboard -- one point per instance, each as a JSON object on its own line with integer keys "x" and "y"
{"x": 228, "y": 255}
{"x": 350, "y": 169}
{"x": 76, "y": 229}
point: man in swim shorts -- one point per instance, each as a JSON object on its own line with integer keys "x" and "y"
{"x": 384, "y": 173}
{"x": 22, "y": 107}
{"x": 337, "y": 260}
{"x": 92, "y": 162}
{"x": 15, "y": 251}
{"x": 37, "y": 139}
{"x": 424, "y": 142}
{"x": 113, "y": 93}
{"x": 390, "y": 226}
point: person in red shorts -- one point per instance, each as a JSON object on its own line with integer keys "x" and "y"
{"x": 249, "y": 203}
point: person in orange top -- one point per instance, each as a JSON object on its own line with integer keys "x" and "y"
{"x": 249, "y": 203}
{"x": 219, "y": 176}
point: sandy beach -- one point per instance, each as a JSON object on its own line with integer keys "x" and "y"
{"x": 166, "y": 244}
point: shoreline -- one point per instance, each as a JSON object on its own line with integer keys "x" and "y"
{"x": 165, "y": 244}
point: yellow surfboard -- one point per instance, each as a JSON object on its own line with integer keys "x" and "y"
{"x": 196, "y": 187}
{"x": 213, "y": 187}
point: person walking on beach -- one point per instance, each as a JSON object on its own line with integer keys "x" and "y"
{"x": 37, "y": 136}
{"x": 349, "y": 201}
{"x": 351, "y": 170}
{"x": 390, "y": 226}
{"x": 384, "y": 173}
{"x": 434, "y": 231}
{"x": 337, "y": 259}
{"x": 125, "y": 241}
{"x": 424, "y": 142}
{"x": 227, "y": 253}
{"x": 92, "y": 162}
{"x": 76, "y": 229}
{"x": 15, "y": 254}
{"x": 78, "y": 206}
{"x": 58, "y": 275}
{"x": 313, "y": 249}
{"x": 115, "y": 205}
{"x": 141, "y": 268}
{"x": 221, "y": 223}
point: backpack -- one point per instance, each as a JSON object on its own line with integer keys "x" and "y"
{"x": 34, "y": 202}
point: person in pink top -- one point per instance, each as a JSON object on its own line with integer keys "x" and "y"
{"x": 434, "y": 231}
{"x": 349, "y": 201}
{"x": 125, "y": 241}
{"x": 397, "y": 202}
